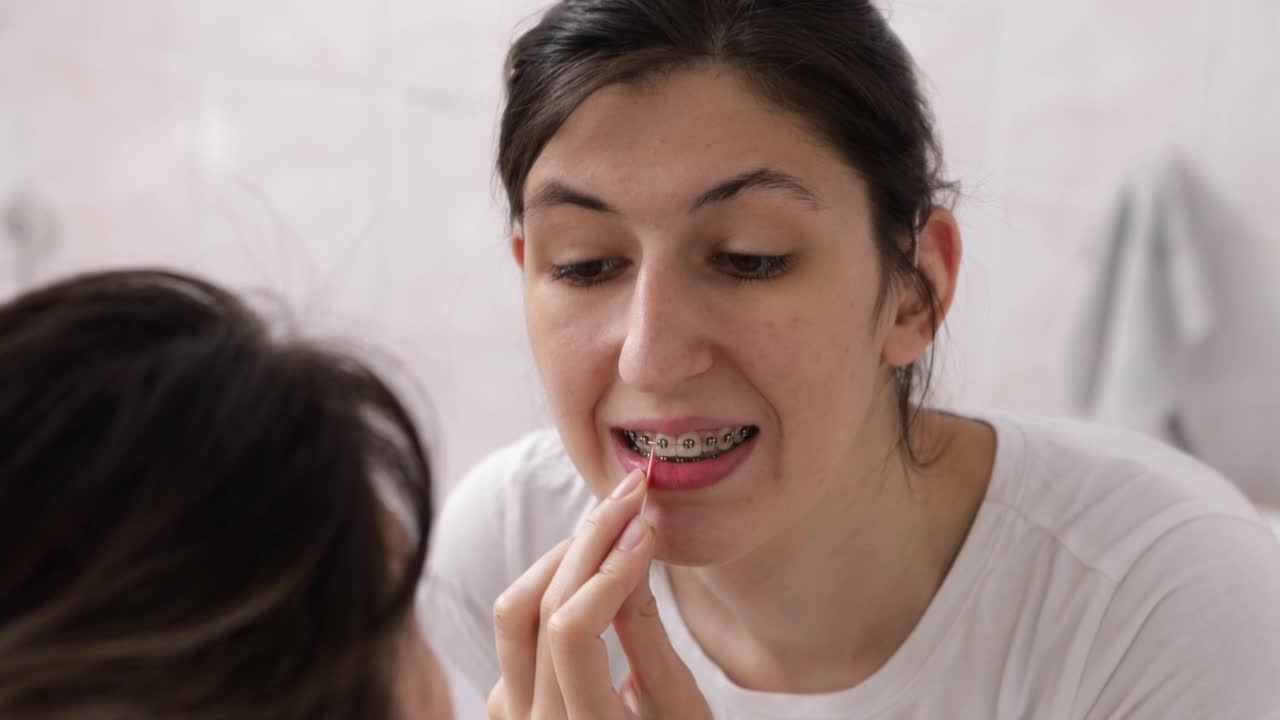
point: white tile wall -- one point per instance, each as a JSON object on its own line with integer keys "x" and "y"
{"x": 331, "y": 41}
{"x": 93, "y": 119}
{"x": 339, "y": 152}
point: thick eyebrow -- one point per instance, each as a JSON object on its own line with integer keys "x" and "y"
{"x": 762, "y": 178}
{"x": 557, "y": 193}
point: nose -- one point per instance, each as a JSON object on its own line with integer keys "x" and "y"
{"x": 667, "y": 338}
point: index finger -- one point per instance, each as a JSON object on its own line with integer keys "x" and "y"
{"x": 579, "y": 654}
{"x": 593, "y": 542}
{"x": 586, "y": 552}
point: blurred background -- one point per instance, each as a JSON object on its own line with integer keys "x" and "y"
{"x": 1121, "y": 211}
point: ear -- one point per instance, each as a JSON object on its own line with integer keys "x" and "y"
{"x": 938, "y": 251}
{"x": 517, "y": 245}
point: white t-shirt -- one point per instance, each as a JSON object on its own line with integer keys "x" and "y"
{"x": 1105, "y": 576}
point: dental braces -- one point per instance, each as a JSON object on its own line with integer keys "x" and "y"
{"x": 644, "y": 441}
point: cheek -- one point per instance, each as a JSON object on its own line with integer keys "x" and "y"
{"x": 818, "y": 372}
{"x": 810, "y": 355}
{"x": 565, "y": 344}
{"x": 422, "y": 690}
{"x": 577, "y": 364}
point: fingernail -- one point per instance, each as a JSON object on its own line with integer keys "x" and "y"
{"x": 630, "y": 698}
{"x": 629, "y": 483}
{"x": 634, "y": 533}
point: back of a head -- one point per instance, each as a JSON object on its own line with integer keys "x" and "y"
{"x": 197, "y": 520}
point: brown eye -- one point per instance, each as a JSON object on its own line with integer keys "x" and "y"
{"x": 744, "y": 266}
{"x": 588, "y": 272}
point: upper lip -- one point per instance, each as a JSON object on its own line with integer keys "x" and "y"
{"x": 679, "y": 425}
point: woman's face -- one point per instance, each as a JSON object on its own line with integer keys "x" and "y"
{"x": 697, "y": 264}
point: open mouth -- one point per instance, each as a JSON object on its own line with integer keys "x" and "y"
{"x": 690, "y": 447}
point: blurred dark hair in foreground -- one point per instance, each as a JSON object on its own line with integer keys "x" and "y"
{"x": 197, "y": 519}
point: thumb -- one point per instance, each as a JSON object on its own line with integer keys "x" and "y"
{"x": 663, "y": 685}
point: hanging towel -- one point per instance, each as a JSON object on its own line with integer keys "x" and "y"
{"x": 1147, "y": 304}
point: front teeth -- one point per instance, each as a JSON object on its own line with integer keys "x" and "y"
{"x": 690, "y": 446}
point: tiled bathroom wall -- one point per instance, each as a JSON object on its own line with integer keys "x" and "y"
{"x": 339, "y": 153}
{"x": 1046, "y": 107}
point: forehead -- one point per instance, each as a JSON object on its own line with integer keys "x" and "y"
{"x": 671, "y": 136}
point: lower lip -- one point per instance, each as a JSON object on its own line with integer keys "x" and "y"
{"x": 683, "y": 476}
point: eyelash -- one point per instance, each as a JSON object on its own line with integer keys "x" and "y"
{"x": 769, "y": 267}
{"x": 573, "y": 272}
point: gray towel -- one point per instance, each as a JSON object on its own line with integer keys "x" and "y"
{"x": 1147, "y": 304}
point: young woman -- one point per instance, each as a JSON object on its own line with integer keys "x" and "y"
{"x": 200, "y": 520}
{"x": 736, "y": 245}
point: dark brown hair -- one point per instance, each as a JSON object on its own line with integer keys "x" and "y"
{"x": 197, "y": 520}
{"x": 834, "y": 63}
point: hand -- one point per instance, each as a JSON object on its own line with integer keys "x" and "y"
{"x": 549, "y": 622}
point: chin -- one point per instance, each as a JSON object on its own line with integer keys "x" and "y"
{"x": 689, "y": 539}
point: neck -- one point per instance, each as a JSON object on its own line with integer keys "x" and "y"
{"x": 827, "y": 603}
